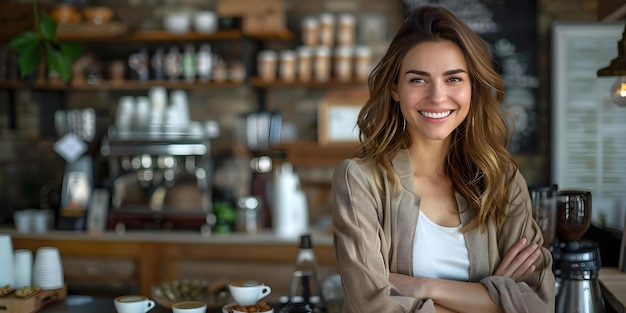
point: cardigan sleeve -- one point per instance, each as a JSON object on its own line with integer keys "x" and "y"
{"x": 360, "y": 244}
{"x": 537, "y": 291}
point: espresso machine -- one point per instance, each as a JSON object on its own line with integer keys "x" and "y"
{"x": 160, "y": 174}
{"x": 577, "y": 261}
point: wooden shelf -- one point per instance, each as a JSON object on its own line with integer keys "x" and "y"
{"x": 160, "y": 35}
{"x": 130, "y": 85}
{"x": 259, "y": 82}
{"x": 13, "y": 84}
{"x": 310, "y": 153}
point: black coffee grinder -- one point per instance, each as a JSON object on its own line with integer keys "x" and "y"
{"x": 577, "y": 261}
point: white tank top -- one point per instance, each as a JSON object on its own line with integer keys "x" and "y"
{"x": 439, "y": 252}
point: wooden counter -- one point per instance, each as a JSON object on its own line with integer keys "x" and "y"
{"x": 143, "y": 258}
{"x": 613, "y": 287}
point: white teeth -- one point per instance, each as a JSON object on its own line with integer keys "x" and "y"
{"x": 435, "y": 115}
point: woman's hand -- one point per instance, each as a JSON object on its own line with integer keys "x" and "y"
{"x": 518, "y": 261}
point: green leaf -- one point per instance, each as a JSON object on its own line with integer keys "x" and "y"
{"x": 48, "y": 28}
{"x": 29, "y": 59}
{"x": 71, "y": 49}
{"x": 59, "y": 63}
{"x": 24, "y": 41}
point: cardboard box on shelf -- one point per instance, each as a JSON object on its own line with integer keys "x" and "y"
{"x": 257, "y": 15}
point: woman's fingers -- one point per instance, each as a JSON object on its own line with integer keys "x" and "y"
{"x": 518, "y": 260}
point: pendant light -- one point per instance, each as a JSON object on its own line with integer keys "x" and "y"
{"x": 617, "y": 67}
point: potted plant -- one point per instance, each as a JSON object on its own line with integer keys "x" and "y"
{"x": 42, "y": 44}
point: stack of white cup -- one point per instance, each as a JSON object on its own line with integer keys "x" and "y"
{"x": 22, "y": 268}
{"x": 48, "y": 269}
{"x": 6, "y": 260}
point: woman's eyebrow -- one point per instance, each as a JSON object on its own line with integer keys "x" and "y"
{"x": 446, "y": 73}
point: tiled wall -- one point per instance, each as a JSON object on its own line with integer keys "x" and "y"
{"x": 27, "y": 161}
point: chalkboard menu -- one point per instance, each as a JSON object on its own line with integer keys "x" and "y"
{"x": 510, "y": 28}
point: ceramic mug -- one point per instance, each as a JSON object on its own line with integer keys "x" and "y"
{"x": 133, "y": 304}
{"x": 248, "y": 292}
{"x": 189, "y": 307}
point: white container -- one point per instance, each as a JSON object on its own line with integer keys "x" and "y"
{"x": 291, "y": 214}
{"x": 48, "y": 269}
{"x": 6, "y": 260}
{"x": 23, "y": 268}
{"x": 23, "y": 220}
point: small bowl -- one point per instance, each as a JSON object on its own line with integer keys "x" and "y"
{"x": 205, "y": 22}
{"x": 98, "y": 15}
{"x": 177, "y": 22}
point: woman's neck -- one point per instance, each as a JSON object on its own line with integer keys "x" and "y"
{"x": 428, "y": 157}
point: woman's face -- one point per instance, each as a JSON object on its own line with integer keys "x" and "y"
{"x": 433, "y": 89}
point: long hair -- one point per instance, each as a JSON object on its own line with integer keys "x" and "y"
{"x": 477, "y": 163}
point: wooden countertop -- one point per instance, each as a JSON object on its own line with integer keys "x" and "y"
{"x": 613, "y": 287}
{"x": 320, "y": 237}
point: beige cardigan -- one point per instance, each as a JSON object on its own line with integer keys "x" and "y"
{"x": 374, "y": 237}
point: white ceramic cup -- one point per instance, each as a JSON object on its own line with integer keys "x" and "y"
{"x": 6, "y": 260}
{"x": 248, "y": 292}
{"x": 189, "y": 307}
{"x": 22, "y": 267}
{"x": 133, "y": 304}
{"x": 23, "y": 220}
{"x": 48, "y": 269}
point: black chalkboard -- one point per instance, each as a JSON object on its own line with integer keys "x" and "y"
{"x": 510, "y": 28}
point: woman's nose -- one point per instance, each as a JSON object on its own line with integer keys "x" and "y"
{"x": 437, "y": 92}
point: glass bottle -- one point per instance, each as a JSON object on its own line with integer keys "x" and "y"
{"x": 305, "y": 292}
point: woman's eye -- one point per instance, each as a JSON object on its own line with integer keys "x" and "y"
{"x": 416, "y": 80}
{"x": 455, "y": 79}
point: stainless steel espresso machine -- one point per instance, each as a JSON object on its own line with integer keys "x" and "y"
{"x": 160, "y": 178}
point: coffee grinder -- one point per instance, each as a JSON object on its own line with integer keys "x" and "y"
{"x": 257, "y": 132}
{"x": 578, "y": 261}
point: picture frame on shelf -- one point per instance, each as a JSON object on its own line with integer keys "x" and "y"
{"x": 338, "y": 112}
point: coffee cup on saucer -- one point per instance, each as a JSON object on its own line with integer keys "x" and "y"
{"x": 248, "y": 292}
{"x": 133, "y": 304}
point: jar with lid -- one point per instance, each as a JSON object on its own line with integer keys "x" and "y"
{"x": 327, "y": 29}
{"x": 343, "y": 63}
{"x": 310, "y": 31}
{"x": 267, "y": 62}
{"x": 305, "y": 59}
{"x": 322, "y": 64}
{"x": 362, "y": 63}
{"x": 346, "y": 29}
{"x": 287, "y": 67}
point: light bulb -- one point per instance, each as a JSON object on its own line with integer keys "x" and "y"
{"x": 618, "y": 91}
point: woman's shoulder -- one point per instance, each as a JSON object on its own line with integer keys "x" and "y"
{"x": 355, "y": 168}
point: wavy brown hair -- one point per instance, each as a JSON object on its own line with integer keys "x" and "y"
{"x": 478, "y": 162}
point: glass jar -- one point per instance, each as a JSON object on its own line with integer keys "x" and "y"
{"x": 310, "y": 31}
{"x": 327, "y": 29}
{"x": 267, "y": 62}
{"x": 305, "y": 59}
{"x": 362, "y": 63}
{"x": 343, "y": 63}
{"x": 322, "y": 64}
{"x": 287, "y": 68}
{"x": 346, "y": 29}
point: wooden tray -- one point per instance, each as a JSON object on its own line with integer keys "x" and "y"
{"x": 14, "y": 304}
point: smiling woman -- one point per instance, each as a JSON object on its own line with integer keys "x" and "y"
{"x": 432, "y": 166}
